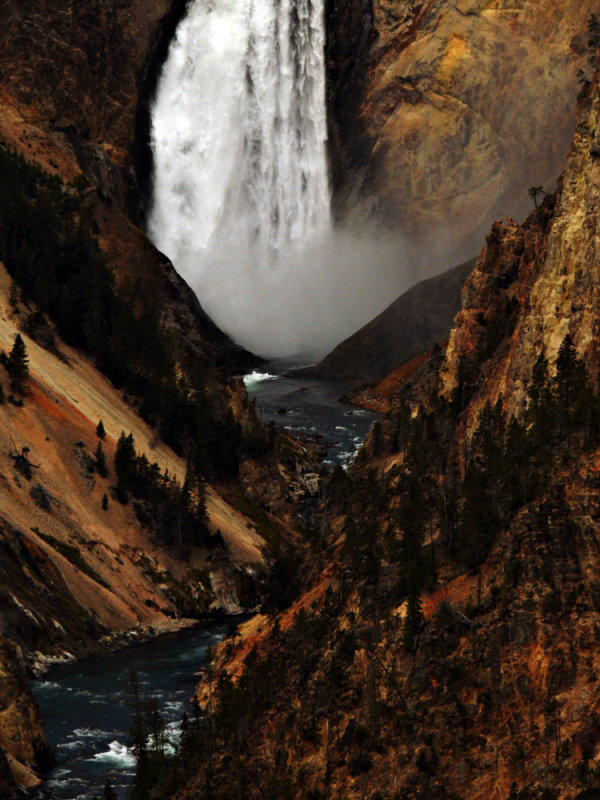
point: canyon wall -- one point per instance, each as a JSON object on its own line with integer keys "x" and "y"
{"x": 447, "y": 112}
{"x": 536, "y": 282}
{"x": 75, "y": 577}
{"x": 74, "y": 88}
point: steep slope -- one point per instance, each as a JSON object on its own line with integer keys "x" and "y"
{"x": 72, "y": 80}
{"x": 446, "y": 113}
{"x": 76, "y": 576}
{"x": 439, "y": 112}
{"x": 535, "y": 283}
{"x": 412, "y": 323}
{"x": 443, "y": 642}
{"x": 71, "y": 77}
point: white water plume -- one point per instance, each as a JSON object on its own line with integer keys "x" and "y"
{"x": 241, "y": 197}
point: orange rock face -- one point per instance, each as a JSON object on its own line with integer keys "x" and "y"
{"x": 464, "y": 106}
{"x": 21, "y": 733}
{"x": 77, "y": 65}
{"x": 536, "y": 282}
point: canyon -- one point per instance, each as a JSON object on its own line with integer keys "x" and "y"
{"x": 441, "y": 116}
{"x": 483, "y": 684}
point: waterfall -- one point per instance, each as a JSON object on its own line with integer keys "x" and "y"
{"x": 241, "y": 198}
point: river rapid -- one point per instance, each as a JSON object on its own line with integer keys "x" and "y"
{"x": 87, "y": 707}
{"x": 310, "y": 406}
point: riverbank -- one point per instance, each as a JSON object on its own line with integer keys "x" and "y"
{"x": 87, "y": 706}
{"x": 39, "y": 663}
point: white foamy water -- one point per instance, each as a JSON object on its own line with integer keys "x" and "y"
{"x": 118, "y": 754}
{"x": 241, "y": 199}
{"x": 252, "y": 378}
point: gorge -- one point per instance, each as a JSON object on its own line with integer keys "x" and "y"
{"x": 431, "y": 629}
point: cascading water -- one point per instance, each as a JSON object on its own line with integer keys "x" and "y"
{"x": 241, "y": 199}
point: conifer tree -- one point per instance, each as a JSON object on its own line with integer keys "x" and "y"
{"x": 414, "y": 616}
{"x": 566, "y": 368}
{"x": 17, "y": 365}
{"x": 100, "y": 432}
{"x": 534, "y": 192}
{"x": 14, "y": 295}
{"x": 125, "y": 465}
{"x": 539, "y": 380}
{"x": 101, "y": 467}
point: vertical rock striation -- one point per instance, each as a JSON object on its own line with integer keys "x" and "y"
{"x": 448, "y": 112}
{"x": 537, "y": 282}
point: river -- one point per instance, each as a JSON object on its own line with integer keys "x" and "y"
{"x": 86, "y": 705}
{"x": 86, "y": 708}
{"x": 310, "y": 406}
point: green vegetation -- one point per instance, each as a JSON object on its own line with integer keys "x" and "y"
{"x": 100, "y": 461}
{"x": 149, "y": 741}
{"x": 266, "y": 529}
{"x": 17, "y": 366}
{"x": 238, "y": 711}
{"x": 534, "y": 192}
{"x": 437, "y": 508}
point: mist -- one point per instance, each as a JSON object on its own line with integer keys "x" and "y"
{"x": 241, "y": 201}
{"x": 300, "y": 302}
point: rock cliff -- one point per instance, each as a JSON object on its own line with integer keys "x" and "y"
{"x": 536, "y": 282}
{"x": 79, "y": 573}
{"x": 483, "y": 683}
{"x": 75, "y": 72}
{"x": 74, "y": 89}
{"x": 449, "y": 111}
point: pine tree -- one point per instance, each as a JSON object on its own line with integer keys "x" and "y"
{"x": 101, "y": 467}
{"x": 539, "y": 381}
{"x": 100, "y": 432}
{"x": 14, "y": 297}
{"x": 534, "y": 192}
{"x": 125, "y": 465}
{"x": 566, "y": 369}
{"x": 104, "y": 502}
{"x": 414, "y": 617}
{"x": 17, "y": 365}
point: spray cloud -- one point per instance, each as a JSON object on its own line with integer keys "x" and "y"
{"x": 241, "y": 198}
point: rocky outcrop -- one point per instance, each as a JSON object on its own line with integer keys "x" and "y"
{"x": 8, "y": 787}
{"x": 455, "y": 109}
{"x": 498, "y": 700}
{"x": 537, "y": 282}
{"x": 415, "y": 321}
{"x": 74, "y": 71}
{"x": 79, "y": 572}
{"x": 21, "y": 733}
